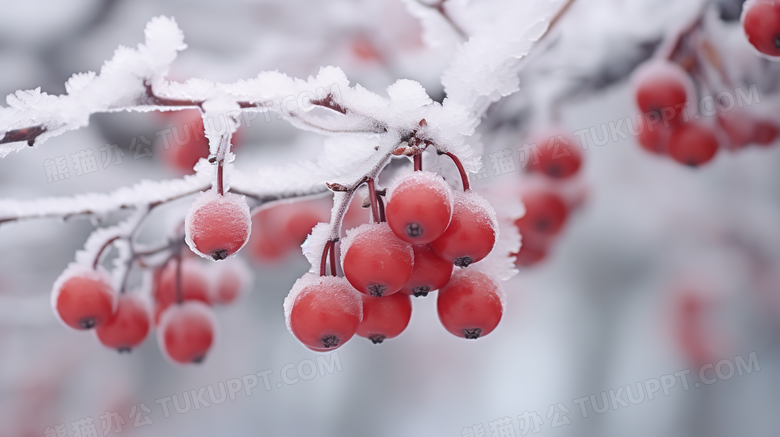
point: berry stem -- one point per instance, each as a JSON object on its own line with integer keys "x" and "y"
{"x": 222, "y": 152}
{"x": 324, "y": 260}
{"x": 103, "y": 249}
{"x": 675, "y": 48}
{"x": 464, "y": 178}
{"x": 126, "y": 274}
{"x": 373, "y": 198}
{"x": 333, "y": 258}
{"x": 220, "y": 179}
{"x": 381, "y": 204}
{"x": 418, "y": 162}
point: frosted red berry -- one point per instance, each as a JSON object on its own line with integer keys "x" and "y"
{"x": 217, "y": 226}
{"x": 761, "y": 22}
{"x": 660, "y": 89}
{"x": 186, "y": 332}
{"x": 324, "y": 312}
{"x": 470, "y": 305}
{"x": 559, "y": 156}
{"x": 83, "y": 298}
{"x": 375, "y": 261}
{"x": 472, "y": 232}
{"x": 420, "y": 207}
{"x": 430, "y": 272}
{"x": 129, "y": 325}
{"x": 693, "y": 144}
{"x": 384, "y": 317}
{"x": 194, "y": 282}
{"x": 545, "y": 213}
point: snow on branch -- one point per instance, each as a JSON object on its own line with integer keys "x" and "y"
{"x": 133, "y": 80}
{"x": 486, "y": 67}
{"x": 147, "y": 193}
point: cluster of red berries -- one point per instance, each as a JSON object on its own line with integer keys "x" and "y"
{"x": 545, "y": 199}
{"x": 411, "y": 249}
{"x": 83, "y": 298}
{"x": 663, "y": 91}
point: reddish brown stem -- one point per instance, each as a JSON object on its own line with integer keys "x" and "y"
{"x": 123, "y": 284}
{"x": 372, "y": 197}
{"x": 464, "y": 178}
{"x": 381, "y": 204}
{"x": 164, "y": 101}
{"x": 418, "y": 162}
{"x": 28, "y": 134}
{"x": 333, "y": 258}
{"x": 220, "y": 176}
{"x": 103, "y": 249}
{"x": 324, "y": 260}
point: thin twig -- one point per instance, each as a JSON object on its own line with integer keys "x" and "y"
{"x": 372, "y": 198}
{"x": 324, "y": 259}
{"x": 464, "y": 178}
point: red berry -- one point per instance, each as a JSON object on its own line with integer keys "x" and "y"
{"x": 545, "y": 213}
{"x": 559, "y": 155}
{"x": 375, "y": 261}
{"x": 430, "y": 272}
{"x": 533, "y": 249}
{"x": 472, "y": 231}
{"x": 217, "y": 226}
{"x": 738, "y": 126}
{"x": 529, "y": 255}
{"x": 83, "y": 298}
{"x": 194, "y": 282}
{"x": 419, "y": 207}
{"x": 323, "y": 312}
{"x": 655, "y": 137}
{"x": 765, "y": 133}
{"x": 187, "y": 143}
{"x": 384, "y": 317}
{"x": 265, "y": 244}
{"x": 186, "y": 332}
{"x": 230, "y": 280}
{"x": 129, "y": 325}
{"x": 661, "y": 89}
{"x": 693, "y": 144}
{"x": 470, "y": 305}
{"x": 277, "y": 230}
{"x": 761, "y": 22}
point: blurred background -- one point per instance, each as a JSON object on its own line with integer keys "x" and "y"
{"x": 659, "y": 267}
